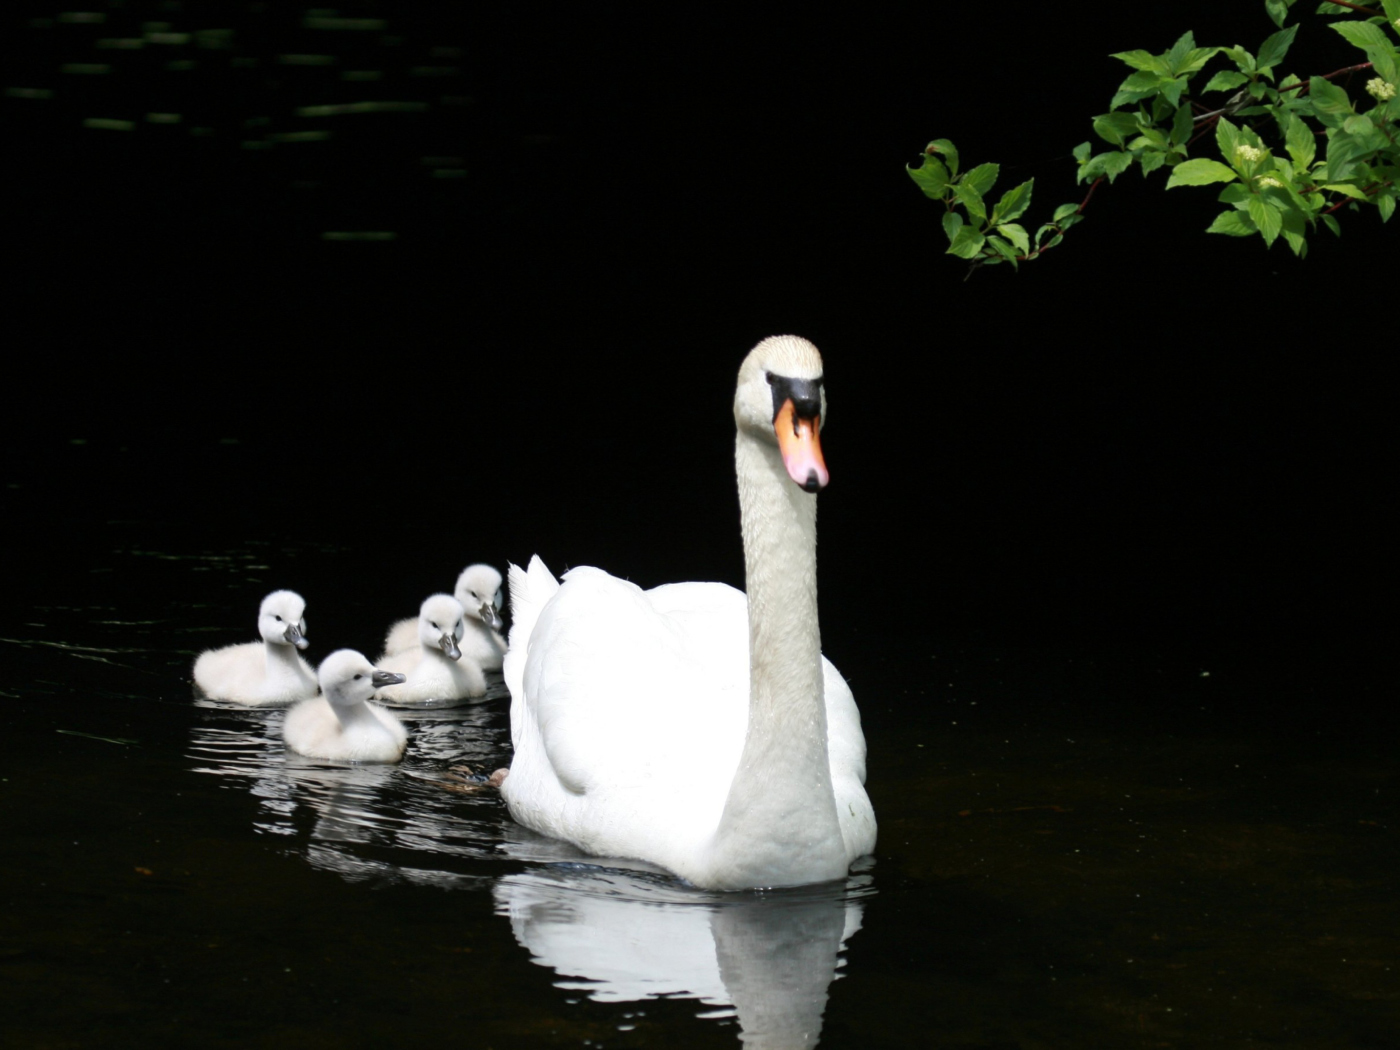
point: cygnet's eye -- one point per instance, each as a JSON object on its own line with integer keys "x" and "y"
{"x": 277, "y": 618}
{"x": 358, "y": 677}
{"x": 434, "y": 626}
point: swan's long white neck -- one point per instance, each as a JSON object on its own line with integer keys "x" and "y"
{"x": 779, "y": 825}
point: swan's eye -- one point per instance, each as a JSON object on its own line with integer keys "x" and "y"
{"x": 277, "y": 618}
{"x": 358, "y": 677}
{"x": 434, "y": 626}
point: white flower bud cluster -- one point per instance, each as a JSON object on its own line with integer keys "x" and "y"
{"x": 1249, "y": 154}
{"x": 1269, "y": 180}
{"x": 1380, "y": 90}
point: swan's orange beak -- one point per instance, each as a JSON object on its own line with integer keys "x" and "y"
{"x": 800, "y": 447}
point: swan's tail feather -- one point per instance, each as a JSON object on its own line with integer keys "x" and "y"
{"x": 530, "y": 589}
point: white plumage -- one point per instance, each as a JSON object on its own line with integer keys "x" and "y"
{"x": 479, "y": 590}
{"x": 437, "y": 669}
{"x": 688, "y": 725}
{"x": 265, "y": 672}
{"x": 340, "y": 725}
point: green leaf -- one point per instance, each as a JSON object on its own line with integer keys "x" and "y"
{"x": 1384, "y": 61}
{"x": 1227, "y": 137}
{"x": 1225, "y": 80}
{"x": 931, "y": 177}
{"x": 1343, "y": 153}
{"x": 1115, "y": 127}
{"x": 1003, "y": 248}
{"x": 1385, "y": 204}
{"x": 1143, "y": 60}
{"x": 1013, "y": 203}
{"x": 1278, "y": 9}
{"x": 1333, "y": 224}
{"x": 1183, "y": 126}
{"x": 1392, "y": 11}
{"x": 966, "y": 244}
{"x": 982, "y": 178}
{"x": 1361, "y": 126}
{"x": 1295, "y": 231}
{"x": 948, "y": 151}
{"x": 1136, "y": 87}
{"x": 1199, "y": 172}
{"x": 1180, "y": 53}
{"x": 1241, "y": 58}
{"x": 1330, "y": 102}
{"x": 1172, "y": 89}
{"x": 1235, "y": 193}
{"x": 952, "y": 223}
{"x": 1272, "y": 50}
{"x": 1301, "y": 142}
{"x": 970, "y": 199}
{"x": 1064, "y": 211}
{"x": 1363, "y": 34}
{"x": 1269, "y": 221}
{"x": 1346, "y": 189}
{"x": 1017, "y": 235}
{"x": 1232, "y": 223}
{"x": 1106, "y": 164}
{"x": 1151, "y": 160}
{"x": 1081, "y": 152}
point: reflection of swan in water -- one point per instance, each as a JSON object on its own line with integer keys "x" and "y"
{"x": 381, "y": 824}
{"x": 624, "y": 937}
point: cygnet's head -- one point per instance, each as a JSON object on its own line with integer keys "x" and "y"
{"x": 347, "y": 678}
{"x": 441, "y": 624}
{"x": 282, "y": 619}
{"x": 479, "y": 591}
{"x": 780, "y": 399}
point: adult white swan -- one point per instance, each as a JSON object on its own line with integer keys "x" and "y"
{"x": 686, "y": 725}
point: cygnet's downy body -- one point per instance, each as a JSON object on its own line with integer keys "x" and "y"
{"x": 479, "y": 590}
{"x": 437, "y": 670}
{"x": 266, "y": 672}
{"x": 341, "y": 725}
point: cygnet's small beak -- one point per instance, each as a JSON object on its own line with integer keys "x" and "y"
{"x": 382, "y": 678}
{"x": 489, "y": 616}
{"x": 295, "y": 637}
{"x": 801, "y": 448}
{"x": 448, "y": 645}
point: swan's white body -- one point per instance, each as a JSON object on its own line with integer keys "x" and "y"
{"x": 267, "y": 672}
{"x": 479, "y": 590}
{"x": 688, "y": 725}
{"x": 340, "y": 725}
{"x": 437, "y": 669}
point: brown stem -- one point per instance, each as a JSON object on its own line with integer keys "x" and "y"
{"x": 1336, "y": 73}
{"x": 1356, "y": 7}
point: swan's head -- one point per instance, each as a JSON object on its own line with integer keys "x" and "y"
{"x": 441, "y": 624}
{"x": 347, "y": 678}
{"x": 282, "y": 619}
{"x": 479, "y": 591}
{"x": 780, "y": 400}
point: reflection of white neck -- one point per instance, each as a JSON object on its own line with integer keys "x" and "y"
{"x": 771, "y": 958}
{"x": 779, "y": 825}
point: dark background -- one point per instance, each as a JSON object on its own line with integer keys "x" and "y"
{"x": 1152, "y": 439}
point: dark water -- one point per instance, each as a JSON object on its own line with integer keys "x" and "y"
{"x": 1075, "y": 849}
{"x": 1107, "y": 555}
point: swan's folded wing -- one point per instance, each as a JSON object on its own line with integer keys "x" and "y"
{"x": 638, "y": 689}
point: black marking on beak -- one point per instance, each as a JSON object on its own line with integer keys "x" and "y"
{"x": 805, "y": 395}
